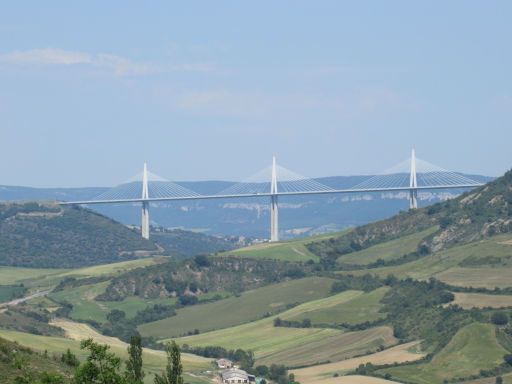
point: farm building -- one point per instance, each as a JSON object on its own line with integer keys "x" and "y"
{"x": 224, "y": 363}
{"x": 236, "y": 376}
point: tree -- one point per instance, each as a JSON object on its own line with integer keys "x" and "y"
{"x": 115, "y": 316}
{"x": 134, "y": 373}
{"x": 306, "y": 323}
{"x": 70, "y": 359}
{"x": 101, "y": 366}
{"x": 499, "y": 380}
{"x": 261, "y": 370}
{"x": 499, "y": 318}
{"x": 173, "y": 373}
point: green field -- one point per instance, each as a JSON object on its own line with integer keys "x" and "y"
{"x": 389, "y": 250}
{"x": 14, "y": 275}
{"x": 86, "y": 308}
{"x": 445, "y": 266}
{"x": 251, "y": 305}
{"x": 473, "y": 348}
{"x": 490, "y": 277}
{"x": 8, "y": 292}
{"x": 114, "y": 269}
{"x": 46, "y": 277}
{"x": 292, "y": 250}
{"x": 294, "y": 346}
{"x": 357, "y": 309}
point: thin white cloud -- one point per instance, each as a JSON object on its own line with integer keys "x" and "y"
{"x": 46, "y": 56}
{"x": 119, "y": 66}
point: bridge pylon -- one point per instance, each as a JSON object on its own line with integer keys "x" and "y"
{"x": 145, "y": 204}
{"x": 274, "y": 214}
{"x": 413, "y": 183}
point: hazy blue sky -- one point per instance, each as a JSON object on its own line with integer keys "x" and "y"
{"x": 210, "y": 90}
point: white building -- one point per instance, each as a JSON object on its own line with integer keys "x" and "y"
{"x": 234, "y": 376}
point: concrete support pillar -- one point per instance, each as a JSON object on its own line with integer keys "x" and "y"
{"x": 145, "y": 204}
{"x": 274, "y": 214}
{"x": 413, "y": 192}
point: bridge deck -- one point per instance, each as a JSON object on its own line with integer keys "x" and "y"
{"x": 269, "y": 194}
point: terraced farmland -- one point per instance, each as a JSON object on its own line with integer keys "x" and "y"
{"x": 324, "y": 372}
{"x": 295, "y": 346}
{"x": 250, "y": 305}
{"x": 351, "y": 308}
{"x": 473, "y": 264}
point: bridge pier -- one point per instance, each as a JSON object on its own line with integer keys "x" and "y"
{"x": 274, "y": 213}
{"x": 144, "y": 227}
{"x": 413, "y": 183}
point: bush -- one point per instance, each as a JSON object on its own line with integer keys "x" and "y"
{"x": 499, "y": 318}
{"x": 202, "y": 261}
{"x": 188, "y": 300}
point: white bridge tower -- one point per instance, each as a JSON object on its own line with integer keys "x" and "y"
{"x": 413, "y": 184}
{"x": 274, "y": 215}
{"x": 145, "y": 204}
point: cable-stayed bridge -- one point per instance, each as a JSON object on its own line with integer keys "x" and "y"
{"x": 411, "y": 175}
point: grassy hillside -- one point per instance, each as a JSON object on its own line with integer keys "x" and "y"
{"x": 486, "y": 263}
{"x": 19, "y": 363}
{"x": 389, "y": 250}
{"x": 472, "y": 349}
{"x": 291, "y": 250}
{"x": 482, "y": 213}
{"x": 249, "y": 306}
{"x": 33, "y": 278}
{"x": 154, "y": 361}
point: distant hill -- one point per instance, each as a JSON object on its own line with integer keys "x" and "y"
{"x": 299, "y": 215}
{"x": 44, "y": 234}
{"x": 47, "y": 235}
{"x": 182, "y": 244}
